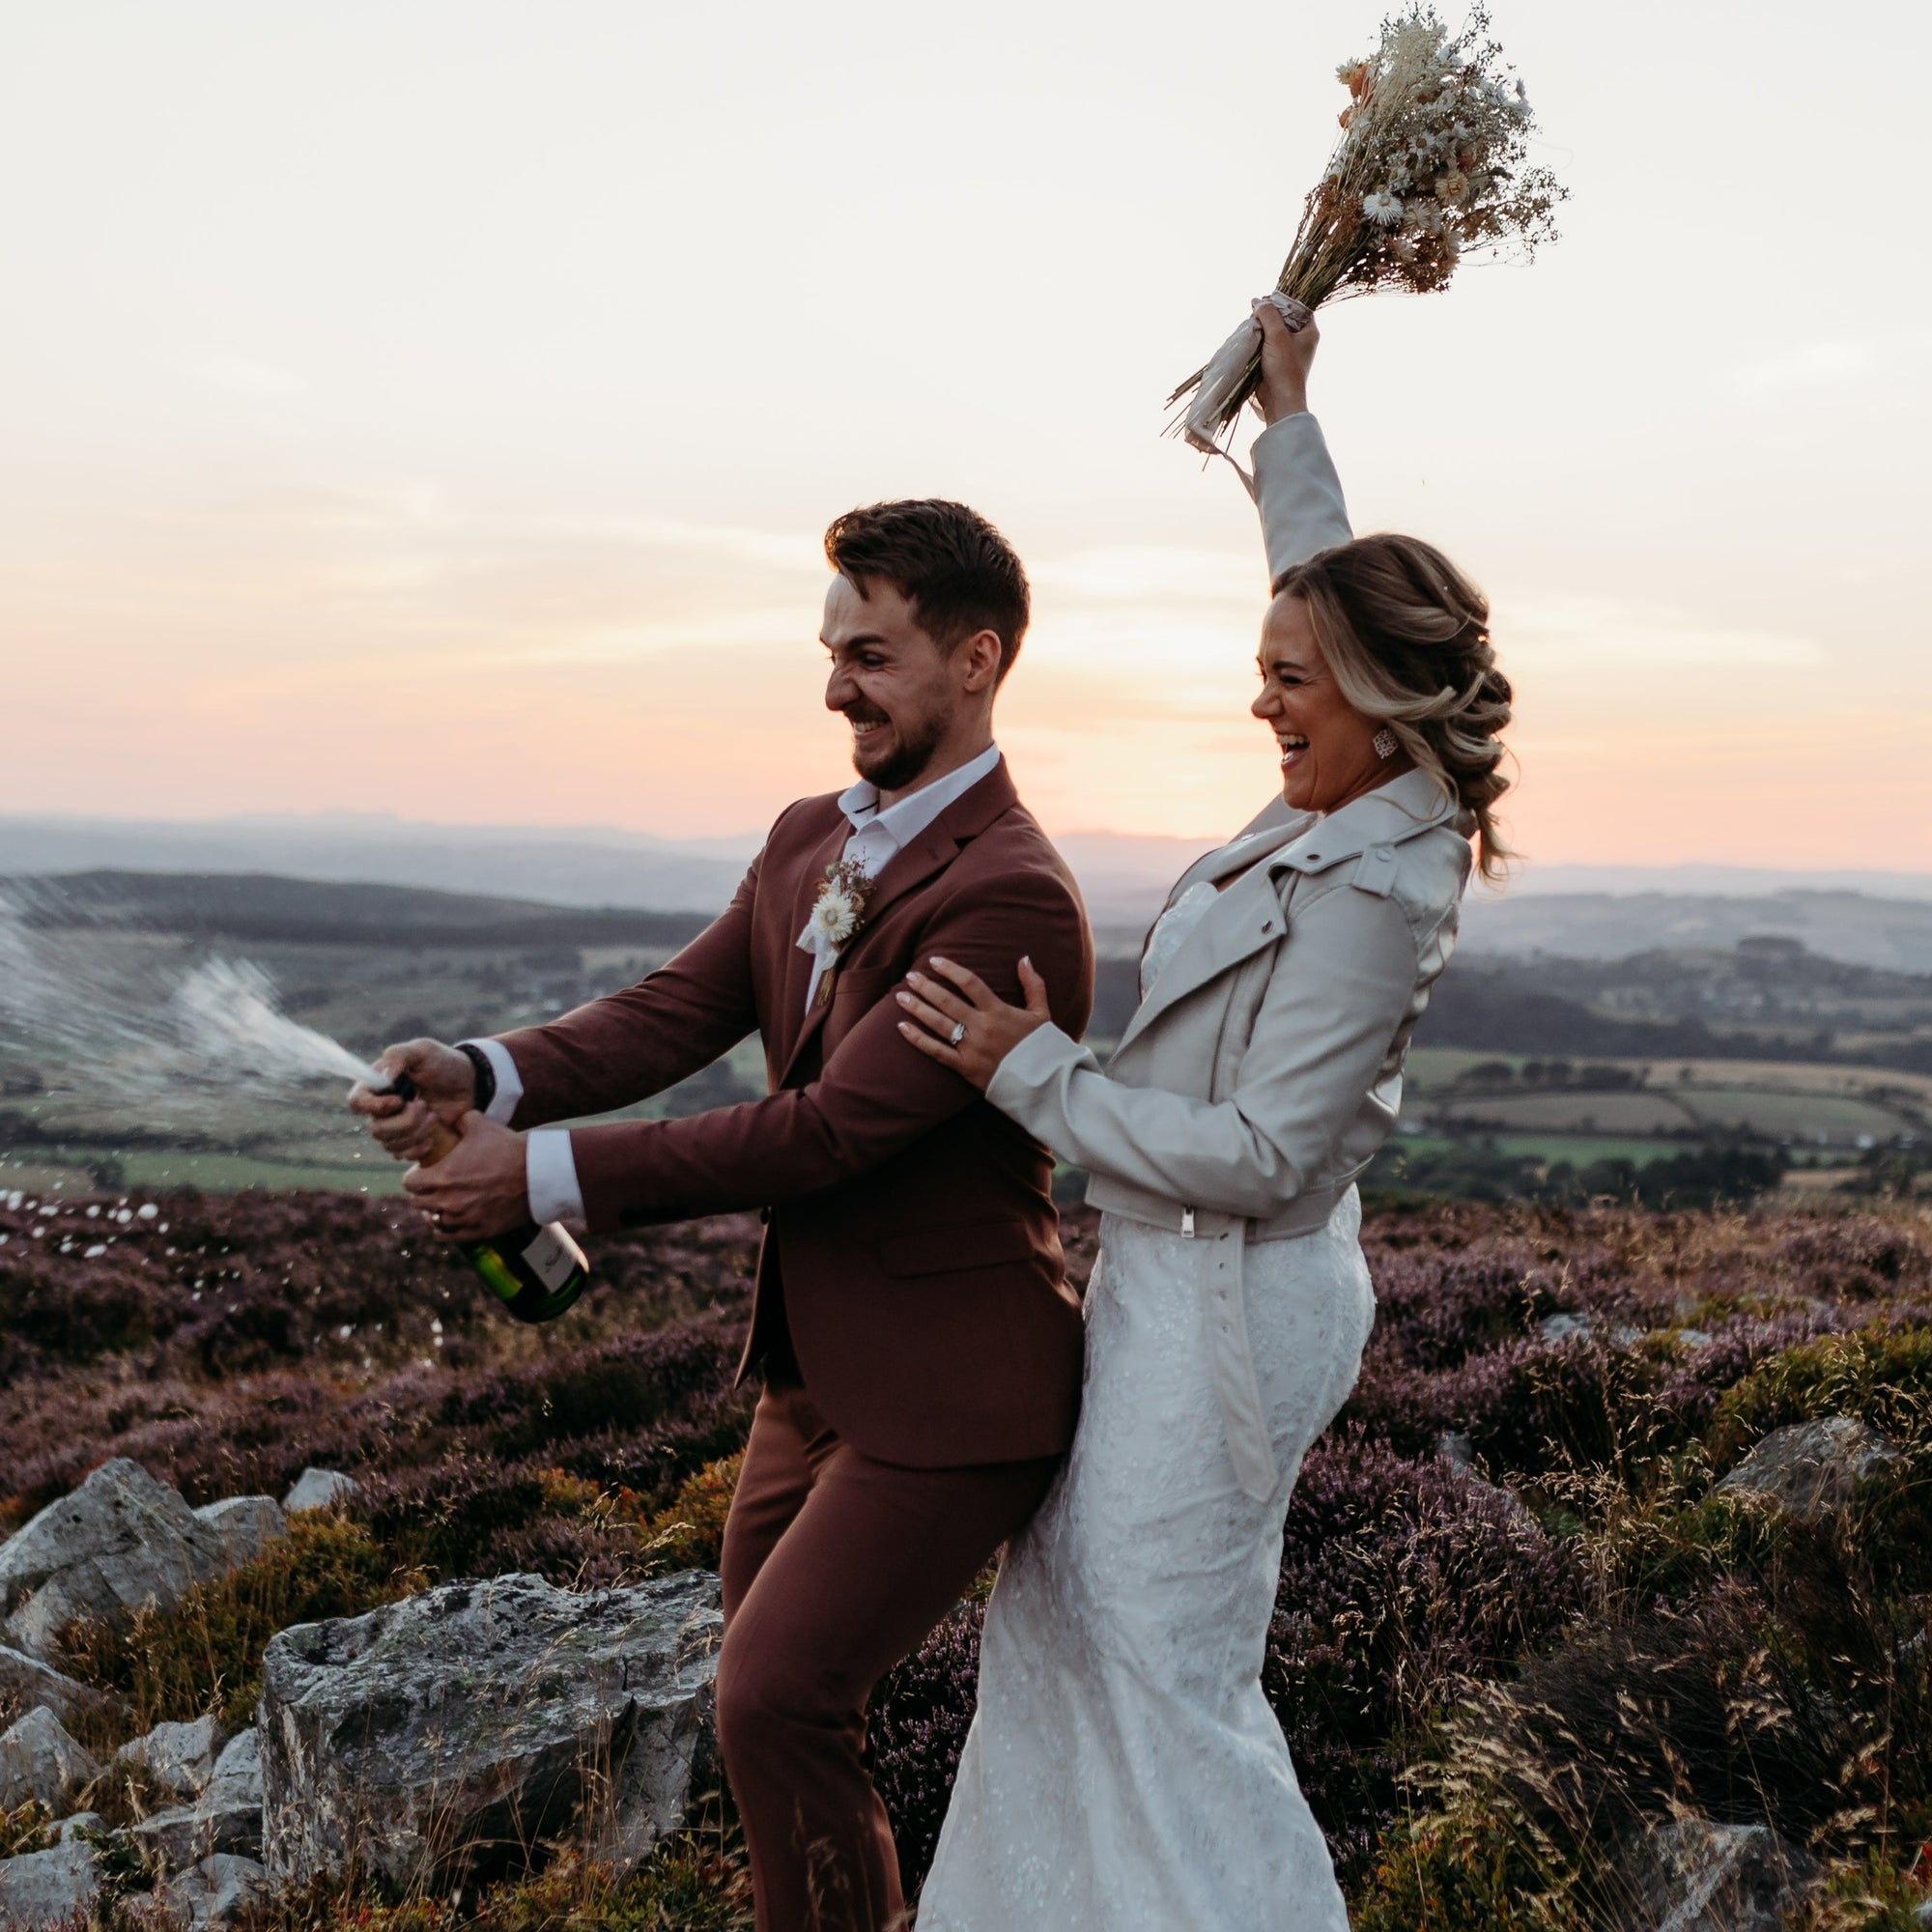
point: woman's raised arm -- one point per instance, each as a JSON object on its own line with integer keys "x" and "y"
{"x": 1296, "y": 489}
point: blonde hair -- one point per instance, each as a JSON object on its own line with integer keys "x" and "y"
{"x": 1406, "y": 635}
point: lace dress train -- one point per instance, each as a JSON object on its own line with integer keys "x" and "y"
{"x": 1125, "y": 1773}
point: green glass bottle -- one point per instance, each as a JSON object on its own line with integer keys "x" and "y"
{"x": 537, "y": 1272}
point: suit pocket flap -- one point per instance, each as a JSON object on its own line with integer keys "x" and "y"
{"x": 951, "y": 1250}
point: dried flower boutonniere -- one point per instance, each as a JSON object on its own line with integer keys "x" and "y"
{"x": 839, "y": 909}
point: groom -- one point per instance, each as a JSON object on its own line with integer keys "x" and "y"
{"x": 920, "y": 1347}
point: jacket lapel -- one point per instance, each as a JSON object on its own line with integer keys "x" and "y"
{"x": 1280, "y": 844}
{"x": 909, "y": 867}
{"x": 797, "y": 975}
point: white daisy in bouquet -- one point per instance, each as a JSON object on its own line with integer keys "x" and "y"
{"x": 1433, "y": 166}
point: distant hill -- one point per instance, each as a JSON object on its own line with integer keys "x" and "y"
{"x": 1891, "y": 933}
{"x": 260, "y": 907}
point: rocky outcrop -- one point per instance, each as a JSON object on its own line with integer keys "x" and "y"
{"x": 318, "y": 1489}
{"x": 1692, "y": 1875}
{"x": 177, "y": 1759}
{"x": 45, "y": 1889}
{"x": 38, "y": 1760}
{"x": 26, "y": 1683}
{"x": 119, "y": 1542}
{"x": 225, "y": 1816}
{"x": 212, "y": 1893}
{"x": 454, "y": 1731}
{"x": 1813, "y": 1467}
{"x": 246, "y": 1526}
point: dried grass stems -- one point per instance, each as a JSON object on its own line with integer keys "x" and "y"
{"x": 1433, "y": 166}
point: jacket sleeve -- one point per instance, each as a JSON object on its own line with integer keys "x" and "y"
{"x": 1341, "y": 985}
{"x": 875, "y": 1094}
{"x": 1298, "y": 493}
{"x": 632, "y": 1044}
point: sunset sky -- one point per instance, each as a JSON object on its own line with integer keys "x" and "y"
{"x": 433, "y": 408}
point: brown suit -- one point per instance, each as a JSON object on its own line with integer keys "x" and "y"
{"x": 922, "y": 1349}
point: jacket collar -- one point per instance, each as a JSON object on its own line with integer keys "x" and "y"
{"x": 1250, "y": 913}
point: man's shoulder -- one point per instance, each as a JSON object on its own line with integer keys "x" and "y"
{"x": 805, "y": 821}
{"x": 1015, "y": 848}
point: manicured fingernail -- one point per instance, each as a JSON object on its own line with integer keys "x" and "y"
{"x": 904, "y": 999}
{"x": 938, "y": 961}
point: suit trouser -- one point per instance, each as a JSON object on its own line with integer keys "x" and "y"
{"x": 835, "y": 1567}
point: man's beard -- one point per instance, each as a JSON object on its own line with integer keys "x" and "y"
{"x": 911, "y": 752}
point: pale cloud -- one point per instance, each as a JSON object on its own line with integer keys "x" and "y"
{"x": 1555, "y": 629}
{"x": 777, "y": 550}
{"x": 1836, "y": 361}
{"x": 1152, "y": 573}
{"x": 235, "y": 375}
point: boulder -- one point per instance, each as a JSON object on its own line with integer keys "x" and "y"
{"x": 26, "y": 1683}
{"x": 319, "y": 1489}
{"x": 1812, "y": 1467}
{"x": 38, "y": 1760}
{"x": 69, "y": 1829}
{"x": 1692, "y": 1875}
{"x": 178, "y": 1759}
{"x": 1568, "y": 1323}
{"x": 449, "y": 1734}
{"x": 225, "y": 1818}
{"x": 1454, "y": 1447}
{"x": 212, "y": 1893}
{"x": 244, "y": 1524}
{"x": 43, "y": 1890}
{"x": 119, "y": 1542}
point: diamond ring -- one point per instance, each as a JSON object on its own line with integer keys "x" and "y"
{"x": 957, "y": 1033}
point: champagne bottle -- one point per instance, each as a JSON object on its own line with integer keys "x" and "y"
{"x": 535, "y": 1272}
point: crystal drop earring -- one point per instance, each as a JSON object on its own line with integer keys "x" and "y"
{"x": 1385, "y": 742}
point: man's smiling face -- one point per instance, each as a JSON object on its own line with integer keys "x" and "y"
{"x": 899, "y": 692}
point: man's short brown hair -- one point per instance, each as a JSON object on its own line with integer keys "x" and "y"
{"x": 949, "y": 562}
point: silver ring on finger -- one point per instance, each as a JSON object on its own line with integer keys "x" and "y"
{"x": 957, "y": 1033}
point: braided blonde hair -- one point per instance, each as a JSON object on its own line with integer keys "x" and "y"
{"x": 1406, "y": 635}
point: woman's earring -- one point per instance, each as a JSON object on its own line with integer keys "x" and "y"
{"x": 1385, "y": 742}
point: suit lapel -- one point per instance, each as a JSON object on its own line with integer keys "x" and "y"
{"x": 797, "y": 975}
{"x": 909, "y": 867}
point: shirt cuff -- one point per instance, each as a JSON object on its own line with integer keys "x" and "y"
{"x": 509, "y": 1088}
{"x": 550, "y": 1171}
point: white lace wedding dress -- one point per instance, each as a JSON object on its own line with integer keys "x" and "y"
{"x": 1125, "y": 1773}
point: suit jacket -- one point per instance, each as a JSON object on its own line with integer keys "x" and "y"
{"x": 912, "y": 1260}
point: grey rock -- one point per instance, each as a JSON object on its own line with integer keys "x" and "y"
{"x": 1455, "y": 1448}
{"x": 45, "y": 1889}
{"x": 225, "y": 1818}
{"x": 1691, "y": 1875}
{"x": 1693, "y": 1339}
{"x": 446, "y": 1733}
{"x": 69, "y": 1829}
{"x": 38, "y": 1760}
{"x": 1561, "y": 1326}
{"x": 119, "y": 1542}
{"x": 1812, "y": 1467}
{"x": 178, "y": 1757}
{"x": 213, "y": 1891}
{"x": 25, "y": 1683}
{"x": 244, "y": 1524}
{"x": 318, "y": 1489}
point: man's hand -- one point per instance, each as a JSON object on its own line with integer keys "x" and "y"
{"x": 1286, "y": 354}
{"x": 446, "y": 1085}
{"x": 478, "y": 1189}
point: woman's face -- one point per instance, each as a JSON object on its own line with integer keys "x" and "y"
{"x": 1328, "y": 746}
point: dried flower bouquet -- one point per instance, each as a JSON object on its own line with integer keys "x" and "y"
{"x": 1432, "y": 164}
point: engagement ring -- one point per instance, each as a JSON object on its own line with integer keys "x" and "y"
{"x": 958, "y": 1032}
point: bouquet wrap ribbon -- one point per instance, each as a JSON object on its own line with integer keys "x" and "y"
{"x": 1228, "y": 372}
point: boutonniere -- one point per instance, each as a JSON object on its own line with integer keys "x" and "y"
{"x": 839, "y": 911}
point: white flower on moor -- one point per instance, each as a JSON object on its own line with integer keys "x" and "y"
{"x": 1429, "y": 113}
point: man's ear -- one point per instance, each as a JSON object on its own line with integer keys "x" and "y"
{"x": 980, "y": 656}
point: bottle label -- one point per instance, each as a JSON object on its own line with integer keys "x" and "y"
{"x": 553, "y": 1257}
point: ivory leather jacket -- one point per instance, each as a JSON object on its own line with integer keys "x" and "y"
{"x": 1264, "y": 1066}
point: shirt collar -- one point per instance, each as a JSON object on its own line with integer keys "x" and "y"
{"x": 906, "y": 819}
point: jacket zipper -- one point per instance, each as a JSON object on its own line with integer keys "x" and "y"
{"x": 1187, "y": 1224}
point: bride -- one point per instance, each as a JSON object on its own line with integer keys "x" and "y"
{"x": 1125, "y": 1773}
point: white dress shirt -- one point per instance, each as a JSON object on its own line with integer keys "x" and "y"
{"x": 550, "y": 1167}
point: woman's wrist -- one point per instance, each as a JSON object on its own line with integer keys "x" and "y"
{"x": 1280, "y": 403}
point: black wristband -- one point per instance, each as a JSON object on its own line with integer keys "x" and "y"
{"x": 486, "y": 1074}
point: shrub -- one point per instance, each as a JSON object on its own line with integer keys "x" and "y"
{"x": 1882, "y": 1376}
{"x": 917, "y": 1729}
{"x": 203, "y": 1653}
{"x": 689, "y": 1532}
{"x": 28, "y": 1828}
